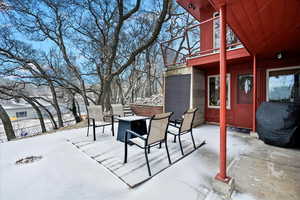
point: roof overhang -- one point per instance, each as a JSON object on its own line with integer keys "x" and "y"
{"x": 194, "y": 6}
{"x": 265, "y": 27}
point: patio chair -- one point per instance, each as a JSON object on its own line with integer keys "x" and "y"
{"x": 118, "y": 110}
{"x": 183, "y": 126}
{"x": 157, "y": 133}
{"x": 98, "y": 120}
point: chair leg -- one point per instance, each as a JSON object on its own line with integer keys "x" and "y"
{"x": 113, "y": 128}
{"x": 103, "y": 129}
{"x": 159, "y": 145}
{"x": 148, "y": 166}
{"x": 168, "y": 152}
{"x": 94, "y": 130}
{"x": 148, "y": 149}
{"x": 174, "y": 138}
{"x": 125, "y": 155}
{"x": 193, "y": 139}
{"x": 180, "y": 144}
{"x": 88, "y": 128}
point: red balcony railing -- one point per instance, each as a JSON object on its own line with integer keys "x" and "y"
{"x": 177, "y": 50}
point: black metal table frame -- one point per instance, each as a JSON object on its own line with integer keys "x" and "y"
{"x": 131, "y": 125}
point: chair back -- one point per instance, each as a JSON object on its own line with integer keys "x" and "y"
{"x": 118, "y": 109}
{"x": 188, "y": 118}
{"x": 95, "y": 112}
{"x": 158, "y": 127}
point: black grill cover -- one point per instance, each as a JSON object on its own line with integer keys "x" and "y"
{"x": 279, "y": 124}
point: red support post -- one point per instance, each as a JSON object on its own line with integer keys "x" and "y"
{"x": 254, "y": 96}
{"x": 222, "y": 174}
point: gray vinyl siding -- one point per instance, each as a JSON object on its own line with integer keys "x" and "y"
{"x": 177, "y": 94}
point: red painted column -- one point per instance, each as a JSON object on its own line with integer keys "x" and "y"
{"x": 254, "y": 96}
{"x": 222, "y": 174}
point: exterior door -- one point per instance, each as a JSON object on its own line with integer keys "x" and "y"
{"x": 242, "y": 98}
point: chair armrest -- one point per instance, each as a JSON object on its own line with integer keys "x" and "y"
{"x": 178, "y": 121}
{"x": 112, "y": 116}
{"x": 174, "y": 125}
{"x": 135, "y": 134}
{"x": 91, "y": 119}
{"x": 109, "y": 117}
{"x": 115, "y": 115}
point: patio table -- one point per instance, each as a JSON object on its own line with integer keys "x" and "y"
{"x": 133, "y": 123}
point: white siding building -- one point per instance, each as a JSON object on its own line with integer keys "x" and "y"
{"x": 22, "y": 111}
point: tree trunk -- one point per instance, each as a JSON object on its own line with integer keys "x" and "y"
{"x": 106, "y": 96}
{"x": 49, "y": 114}
{"x": 9, "y": 130}
{"x": 74, "y": 111}
{"x": 38, "y": 112}
{"x": 84, "y": 96}
{"x": 132, "y": 95}
{"x": 121, "y": 95}
{"x": 56, "y": 106}
{"x": 148, "y": 91}
{"x": 78, "y": 108}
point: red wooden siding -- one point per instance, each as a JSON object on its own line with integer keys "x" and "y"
{"x": 206, "y": 34}
{"x": 240, "y": 115}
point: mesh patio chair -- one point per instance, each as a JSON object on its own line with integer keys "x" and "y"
{"x": 157, "y": 133}
{"x": 183, "y": 126}
{"x": 118, "y": 110}
{"x": 98, "y": 119}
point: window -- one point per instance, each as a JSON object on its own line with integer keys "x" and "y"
{"x": 283, "y": 85}
{"x": 214, "y": 91}
{"x": 21, "y": 114}
{"x": 230, "y": 36}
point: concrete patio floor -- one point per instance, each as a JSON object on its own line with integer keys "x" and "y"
{"x": 65, "y": 172}
{"x": 268, "y": 172}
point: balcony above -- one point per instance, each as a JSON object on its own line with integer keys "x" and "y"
{"x": 199, "y": 45}
{"x": 265, "y": 27}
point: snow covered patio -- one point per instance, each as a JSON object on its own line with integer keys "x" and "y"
{"x": 66, "y": 172}
{"x": 109, "y": 153}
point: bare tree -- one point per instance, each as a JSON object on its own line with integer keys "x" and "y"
{"x": 116, "y": 35}
{"x": 22, "y": 61}
{"x": 9, "y": 131}
{"x": 15, "y": 91}
{"x": 95, "y": 39}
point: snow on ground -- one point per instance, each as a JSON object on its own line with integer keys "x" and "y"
{"x": 64, "y": 172}
{"x": 239, "y": 196}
